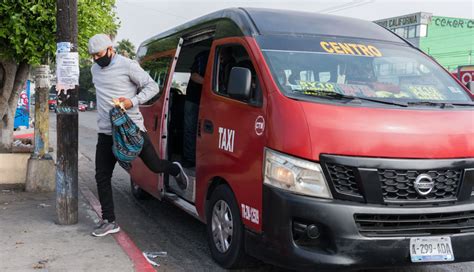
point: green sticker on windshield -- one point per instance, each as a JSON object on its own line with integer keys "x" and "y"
{"x": 317, "y": 86}
{"x": 386, "y": 94}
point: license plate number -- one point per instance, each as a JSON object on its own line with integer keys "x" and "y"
{"x": 431, "y": 249}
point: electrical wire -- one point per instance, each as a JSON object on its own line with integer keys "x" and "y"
{"x": 352, "y": 4}
{"x": 338, "y": 6}
{"x": 156, "y": 10}
{"x": 357, "y": 5}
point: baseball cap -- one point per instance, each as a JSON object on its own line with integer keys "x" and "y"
{"x": 99, "y": 42}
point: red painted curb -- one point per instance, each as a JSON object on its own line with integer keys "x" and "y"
{"x": 24, "y": 136}
{"x": 124, "y": 241}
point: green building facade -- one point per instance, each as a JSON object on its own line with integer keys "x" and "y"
{"x": 449, "y": 40}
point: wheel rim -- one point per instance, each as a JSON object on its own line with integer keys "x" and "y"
{"x": 222, "y": 226}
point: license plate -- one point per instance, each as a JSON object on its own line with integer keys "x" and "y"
{"x": 431, "y": 249}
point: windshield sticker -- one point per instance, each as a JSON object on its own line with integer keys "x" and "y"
{"x": 317, "y": 86}
{"x": 426, "y": 92}
{"x": 355, "y": 49}
{"x": 356, "y": 90}
{"x": 385, "y": 94}
{"x": 455, "y": 90}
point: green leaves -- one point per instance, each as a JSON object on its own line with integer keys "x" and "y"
{"x": 28, "y": 28}
{"x": 126, "y": 47}
{"x": 95, "y": 17}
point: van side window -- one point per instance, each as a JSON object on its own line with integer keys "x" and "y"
{"x": 158, "y": 70}
{"x": 180, "y": 82}
{"x": 227, "y": 57}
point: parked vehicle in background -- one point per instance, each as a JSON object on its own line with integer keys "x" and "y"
{"x": 465, "y": 74}
{"x": 323, "y": 142}
{"x": 52, "y": 102}
{"x": 82, "y": 106}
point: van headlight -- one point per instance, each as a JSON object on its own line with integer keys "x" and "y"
{"x": 295, "y": 175}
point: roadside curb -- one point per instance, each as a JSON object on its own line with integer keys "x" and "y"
{"x": 134, "y": 253}
{"x": 24, "y": 136}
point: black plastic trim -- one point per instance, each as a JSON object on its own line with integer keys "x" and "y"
{"x": 370, "y": 188}
{"x": 365, "y": 170}
{"x": 467, "y": 185}
{"x": 344, "y": 247}
{"x": 399, "y": 164}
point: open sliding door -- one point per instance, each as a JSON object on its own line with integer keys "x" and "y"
{"x": 163, "y": 132}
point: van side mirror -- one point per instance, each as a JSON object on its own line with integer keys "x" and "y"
{"x": 239, "y": 83}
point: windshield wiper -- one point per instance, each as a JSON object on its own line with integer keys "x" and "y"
{"x": 440, "y": 104}
{"x": 356, "y": 98}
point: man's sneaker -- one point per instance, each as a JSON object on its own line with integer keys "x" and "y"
{"x": 181, "y": 178}
{"x": 106, "y": 228}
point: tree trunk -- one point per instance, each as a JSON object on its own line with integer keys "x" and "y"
{"x": 6, "y": 132}
{"x": 12, "y": 78}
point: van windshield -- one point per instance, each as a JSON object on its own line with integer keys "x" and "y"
{"x": 371, "y": 71}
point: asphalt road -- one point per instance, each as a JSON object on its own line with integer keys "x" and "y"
{"x": 159, "y": 226}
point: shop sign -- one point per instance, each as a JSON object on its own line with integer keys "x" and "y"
{"x": 453, "y": 22}
{"x": 406, "y": 20}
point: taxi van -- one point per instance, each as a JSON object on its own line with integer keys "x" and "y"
{"x": 322, "y": 142}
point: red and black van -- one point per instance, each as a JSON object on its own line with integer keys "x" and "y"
{"x": 329, "y": 143}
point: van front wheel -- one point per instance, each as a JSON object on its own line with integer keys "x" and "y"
{"x": 225, "y": 232}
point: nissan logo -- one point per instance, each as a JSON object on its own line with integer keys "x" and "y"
{"x": 424, "y": 184}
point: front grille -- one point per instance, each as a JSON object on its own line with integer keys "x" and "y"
{"x": 376, "y": 225}
{"x": 394, "y": 181}
{"x": 343, "y": 179}
{"x": 397, "y": 185}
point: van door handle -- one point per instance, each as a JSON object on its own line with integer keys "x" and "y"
{"x": 208, "y": 126}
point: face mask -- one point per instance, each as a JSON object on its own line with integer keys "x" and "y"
{"x": 104, "y": 60}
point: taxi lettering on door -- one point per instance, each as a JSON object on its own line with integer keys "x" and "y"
{"x": 226, "y": 139}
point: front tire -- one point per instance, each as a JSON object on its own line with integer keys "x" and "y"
{"x": 138, "y": 192}
{"x": 225, "y": 231}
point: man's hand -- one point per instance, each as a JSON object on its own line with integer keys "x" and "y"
{"x": 127, "y": 103}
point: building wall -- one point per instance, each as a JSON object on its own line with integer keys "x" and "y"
{"x": 450, "y": 41}
{"x": 411, "y": 26}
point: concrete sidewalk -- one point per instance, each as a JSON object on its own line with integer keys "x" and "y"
{"x": 30, "y": 240}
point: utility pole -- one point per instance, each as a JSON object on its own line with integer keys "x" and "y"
{"x": 67, "y": 116}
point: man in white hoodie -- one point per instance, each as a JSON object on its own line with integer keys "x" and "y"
{"x": 115, "y": 76}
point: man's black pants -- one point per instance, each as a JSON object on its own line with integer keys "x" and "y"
{"x": 105, "y": 163}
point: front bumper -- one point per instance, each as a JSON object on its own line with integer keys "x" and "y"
{"x": 340, "y": 244}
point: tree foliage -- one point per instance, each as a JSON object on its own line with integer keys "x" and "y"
{"x": 126, "y": 48}
{"x": 95, "y": 17}
{"x": 86, "y": 87}
{"x": 28, "y": 28}
{"x": 28, "y": 37}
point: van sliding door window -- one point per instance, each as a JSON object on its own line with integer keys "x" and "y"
{"x": 158, "y": 69}
{"x": 228, "y": 57}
